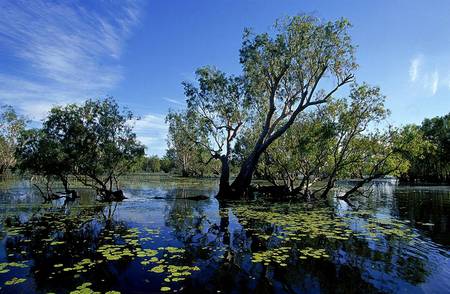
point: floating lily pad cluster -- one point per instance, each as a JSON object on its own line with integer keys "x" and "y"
{"x": 284, "y": 229}
{"x": 388, "y": 228}
{"x": 84, "y": 289}
{"x": 4, "y": 266}
{"x": 312, "y": 252}
{"x": 173, "y": 272}
{"x": 298, "y": 224}
{"x": 15, "y": 281}
{"x": 278, "y": 255}
{"x": 115, "y": 252}
{"x": 82, "y": 266}
{"x": 14, "y": 231}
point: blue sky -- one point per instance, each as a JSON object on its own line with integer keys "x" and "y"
{"x": 57, "y": 52}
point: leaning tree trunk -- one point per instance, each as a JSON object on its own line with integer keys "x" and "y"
{"x": 330, "y": 184}
{"x": 239, "y": 187}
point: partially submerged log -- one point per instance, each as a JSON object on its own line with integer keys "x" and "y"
{"x": 69, "y": 195}
{"x": 110, "y": 196}
{"x": 197, "y": 197}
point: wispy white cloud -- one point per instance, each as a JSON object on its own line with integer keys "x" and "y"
{"x": 60, "y": 52}
{"x": 414, "y": 68}
{"x": 425, "y": 74}
{"x": 170, "y": 100}
{"x": 430, "y": 81}
{"x": 434, "y": 82}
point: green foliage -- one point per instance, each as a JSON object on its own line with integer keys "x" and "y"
{"x": 168, "y": 161}
{"x": 339, "y": 141}
{"x": 283, "y": 74}
{"x": 218, "y": 109}
{"x": 187, "y": 152}
{"x": 150, "y": 164}
{"x": 11, "y": 125}
{"x": 93, "y": 141}
{"x": 97, "y": 136}
{"x": 433, "y": 138}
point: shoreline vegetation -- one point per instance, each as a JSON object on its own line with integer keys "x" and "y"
{"x": 296, "y": 117}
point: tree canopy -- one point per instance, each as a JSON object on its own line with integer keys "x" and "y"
{"x": 93, "y": 142}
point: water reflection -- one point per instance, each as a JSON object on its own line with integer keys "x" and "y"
{"x": 396, "y": 241}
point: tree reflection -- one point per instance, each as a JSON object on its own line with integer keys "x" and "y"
{"x": 356, "y": 265}
{"x": 53, "y": 239}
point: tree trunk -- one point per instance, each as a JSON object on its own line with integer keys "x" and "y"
{"x": 240, "y": 185}
{"x": 330, "y": 184}
{"x": 224, "y": 185}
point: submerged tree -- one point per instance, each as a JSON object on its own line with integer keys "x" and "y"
{"x": 218, "y": 110}
{"x": 339, "y": 140}
{"x": 303, "y": 65}
{"x": 301, "y": 156}
{"x": 98, "y": 137}
{"x": 94, "y": 142}
{"x": 11, "y": 125}
{"x": 44, "y": 157}
{"x": 351, "y": 119}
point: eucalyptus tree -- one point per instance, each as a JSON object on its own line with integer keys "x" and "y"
{"x": 11, "y": 125}
{"x": 300, "y": 157}
{"x": 302, "y": 65}
{"x": 99, "y": 141}
{"x": 377, "y": 155}
{"x": 352, "y": 119}
{"x": 186, "y": 155}
{"x": 340, "y": 140}
{"x": 44, "y": 158}
{"x": 219, "y": 107}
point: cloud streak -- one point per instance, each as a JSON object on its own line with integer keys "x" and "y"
{"x": 414, "y": 68}
{"x": 173, "y": 101}
{"x": 434, "y": 82}
{"x": 422, "y": 74}
{"x": 61, "y": 52}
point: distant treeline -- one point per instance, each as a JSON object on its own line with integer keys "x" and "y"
{"x": 154, "y": 164}
{"x": 433, "y": 164}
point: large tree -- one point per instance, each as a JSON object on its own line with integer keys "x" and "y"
{"x": 340, "y": 140}
{"x": 99, "y": 141}
{"x": 302, "y": 65}
{"x": 219, "y": 109}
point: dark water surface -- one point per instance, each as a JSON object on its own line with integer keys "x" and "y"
{"x": 396, "y": 241}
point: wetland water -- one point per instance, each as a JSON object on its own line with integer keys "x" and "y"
{"x": 398, "y": 240}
